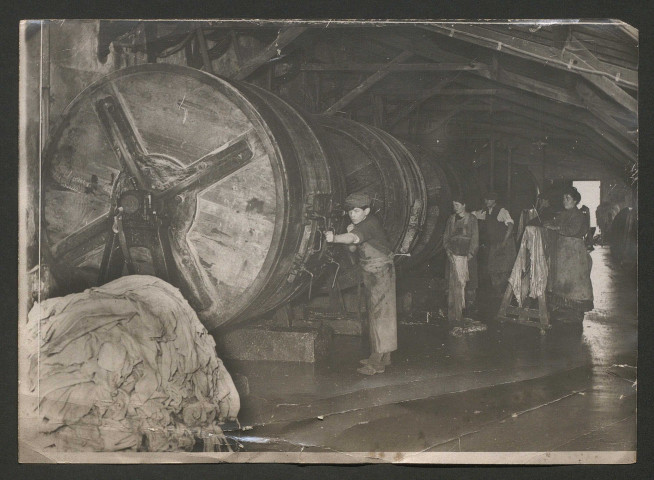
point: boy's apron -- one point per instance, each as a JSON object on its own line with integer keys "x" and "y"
{"x": 379, "y": 282}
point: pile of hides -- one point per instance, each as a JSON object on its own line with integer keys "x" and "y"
{"x": 530, "y": 271}
{"x": 128, "y": 366}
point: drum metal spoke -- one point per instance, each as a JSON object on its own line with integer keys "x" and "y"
{"x": 82, "y": 241}
{"x": 209, "y": 169}
{"x": 122, "y": 136}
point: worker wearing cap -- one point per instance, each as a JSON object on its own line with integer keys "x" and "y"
{"x": 461, "y": 242}
{"x": 498, "y": 229}
{"x": 376, "y": 262}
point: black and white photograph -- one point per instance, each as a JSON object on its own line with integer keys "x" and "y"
{"x": 342, "y": 242}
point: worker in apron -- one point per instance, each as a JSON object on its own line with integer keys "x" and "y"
{"x": 461, "y": 242}
{"x": 367, "y": 236}
{"x": 498, "y": 229}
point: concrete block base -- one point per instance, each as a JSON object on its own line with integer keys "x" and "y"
{"x": 282, "y": 344}
{"x": 343, "y": 323}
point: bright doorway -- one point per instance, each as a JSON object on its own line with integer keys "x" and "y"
{"x": 590, "y": 196}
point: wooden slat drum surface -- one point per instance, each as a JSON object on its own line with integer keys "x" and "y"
{"x": 244, "y": 183}
{"x": 240, "y": 238}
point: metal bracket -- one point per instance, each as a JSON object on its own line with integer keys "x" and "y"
{"x": 135, "y": 226}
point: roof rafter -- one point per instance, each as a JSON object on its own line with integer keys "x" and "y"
{"x": 552, "y": 133}
{"x": 588, "y": 131}
{"x": 599, "y": 108}
{"x": 557, "y": 94}
{"x": 367, "y": 83}
{"x": 534, "y": 118}
{"x": 425, "y": 48}
{"x": 632, "y": 32}
{"x": 519, "y": 82}
{"x": 577, "y": 46}
{"x": 562, "y": 59}
{"x": 576, "y": 120}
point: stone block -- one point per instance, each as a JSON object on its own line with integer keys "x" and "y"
{"x": 282, "y": 344}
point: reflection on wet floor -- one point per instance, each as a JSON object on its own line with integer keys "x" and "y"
{"x": 506, "y": 389}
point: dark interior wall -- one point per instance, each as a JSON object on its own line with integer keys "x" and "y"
{"x": 74, "y": 62}
{"x": 57, "y": 62}
{"x": 29, "y": 96}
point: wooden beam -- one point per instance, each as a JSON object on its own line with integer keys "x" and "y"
{"x": 550, "y": 124}
{"x": 367, "y": 83}
{"x": 559, "y": 94}
{"x": 585, "y": 98}
{"x": 531, "y": 85}
{"x": 632, "y": 32}
{"x": 498, "y": 75}
{"x": 611, "y": 42}
{"x": 284, "y": 37}
{"x": 377, "y": 103}
{"x": 563, "y": 59}
{"x": 626, "y": 145}
{"x": 466, "y": 108}
{"x": 399, "y": 67}
{"x": 598, "y": 108}
{"x": 627, "y": 75}
{"x": 469, "y": 92}
{"x": 613, "y": 91}
{"x": 428, "y": 49}
{"x": 424, "y": 48}
{"x": 550, "y": 56}
{"x": 402, "y": 112}
{"x": 546, "y": 114}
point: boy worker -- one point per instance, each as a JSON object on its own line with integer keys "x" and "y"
{"x": 367, "y": 235}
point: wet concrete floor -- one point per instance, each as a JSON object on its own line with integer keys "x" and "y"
{"x": 506, "y": 389}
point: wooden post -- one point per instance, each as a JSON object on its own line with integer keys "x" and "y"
{"x": 317, "y": 92}
{"x": 509, "y": 164}
{"x": 492, "y": 161}
{"x": 378, "y": 111}
{"x": 45, "y": 81}
{"x": 269, "y": 78}
{"x": 202, "y": 42}
{"x": 541, "y": 152}
{"x": 150, "y": 36}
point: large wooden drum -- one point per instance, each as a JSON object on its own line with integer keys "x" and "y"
{"x": 234, "y": 179}
{"x": 221, "y": 188}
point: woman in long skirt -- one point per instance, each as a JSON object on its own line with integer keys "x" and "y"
{"x": 570, "y": 291}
